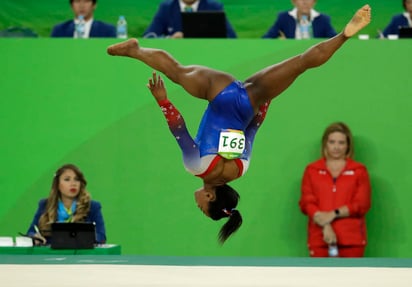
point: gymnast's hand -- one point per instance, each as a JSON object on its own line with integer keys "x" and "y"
{"x": 157, "y": 87}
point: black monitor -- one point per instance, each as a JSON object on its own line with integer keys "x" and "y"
{"x": 75, "y": 235}
{"x": 405, "y": 32}
{"x": 204, "y": 24}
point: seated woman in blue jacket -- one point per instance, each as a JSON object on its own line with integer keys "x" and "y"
{"x": 168, "y": 20}
{"x": 68, "y": 201}
{"x": 289, "y": 24}
{"x": 400, "y": 20}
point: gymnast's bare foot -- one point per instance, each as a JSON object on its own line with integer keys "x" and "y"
{"x": 127, "y": 48}
{"x": 361, "y": 18}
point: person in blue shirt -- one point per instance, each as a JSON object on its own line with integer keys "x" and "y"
{"x": 288, "y": 24}
{"x": 220, "y": 153}
{"x": 168, "y": 21}
{"x": 93, "y": 28}
{"x": 400, "y": 20}
{"x": 68, "y": 201}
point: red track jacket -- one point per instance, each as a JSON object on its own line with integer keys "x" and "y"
{"x": 321, "y": 193}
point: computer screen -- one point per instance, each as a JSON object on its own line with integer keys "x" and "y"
{"x": 204, "y": 24}
{"x": 405, "y": 32}
{"x": 75, "y": 235}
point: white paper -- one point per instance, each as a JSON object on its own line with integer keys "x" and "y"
{"x": 6, "y": 241}
{"x": 22, "y": 241}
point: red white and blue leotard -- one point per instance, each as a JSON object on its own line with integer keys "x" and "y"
{"x": 230, "y": 109}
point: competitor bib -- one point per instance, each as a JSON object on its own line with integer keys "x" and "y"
{"x": 231, "y": 143}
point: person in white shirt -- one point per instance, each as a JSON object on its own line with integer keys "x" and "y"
{"x": 302, "y": 22}
{"x": 167, "y": 22}
{"x": 92, "y": 28}
{"x": 400, "y": 20}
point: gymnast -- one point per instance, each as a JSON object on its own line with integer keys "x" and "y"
{"x": 221, "y": 150}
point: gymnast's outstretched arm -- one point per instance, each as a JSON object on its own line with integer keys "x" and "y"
{"x": 176, "y": 123}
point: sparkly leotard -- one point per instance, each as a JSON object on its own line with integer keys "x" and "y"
{"x": 230, "y": 109}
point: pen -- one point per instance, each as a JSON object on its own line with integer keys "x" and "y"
{"x": 381, "y": 36}
{"x": 37, "y": 229}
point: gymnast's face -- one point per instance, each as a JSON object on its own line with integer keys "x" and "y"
{"x": 203, "y": 197}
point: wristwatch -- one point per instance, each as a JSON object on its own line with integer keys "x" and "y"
{"x": 337, "y": 212}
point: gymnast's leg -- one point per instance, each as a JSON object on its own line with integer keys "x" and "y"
{"x": 253, "y": 127}
{"x": 273, "y": 80}
{"x": 201, "y": 82}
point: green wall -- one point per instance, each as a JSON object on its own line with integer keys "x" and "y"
{"x": 250, "y": 18}
{"x": 67, "y": 101}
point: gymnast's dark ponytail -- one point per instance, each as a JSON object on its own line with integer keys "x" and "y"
{"x": 224, "y": 206}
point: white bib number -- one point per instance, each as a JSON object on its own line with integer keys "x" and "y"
{"x": 231, "y": 143}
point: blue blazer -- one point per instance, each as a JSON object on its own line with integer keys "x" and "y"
{"x": 396, "y": 22}
{"x": 94, "y": 215}
{"x": 321, "y": 26}
{"x": 98, "y": 30}
{"x": 168, "y": 20}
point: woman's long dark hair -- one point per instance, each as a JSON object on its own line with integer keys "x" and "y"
{"x": 224, "y": 206}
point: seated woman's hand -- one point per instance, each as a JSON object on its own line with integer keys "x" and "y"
{"x": 39, "y": 239}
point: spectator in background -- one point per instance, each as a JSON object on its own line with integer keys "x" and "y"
{"x": 68, "y": 201}
{"x": 168, "y": 23}
{"x": 336, "y": 195}
{"x": 400, "y": 20}
{"x": 290, "y": 24}
{"x": 93, "y": 28}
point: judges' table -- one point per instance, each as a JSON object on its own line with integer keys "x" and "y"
{"x": 102, "y": 249}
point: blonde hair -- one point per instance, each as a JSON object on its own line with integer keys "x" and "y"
{"x": 83, "y": 200}
{"x": 342, "y": 128}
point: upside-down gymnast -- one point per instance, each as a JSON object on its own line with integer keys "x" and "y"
{"x": 221, "y": 150}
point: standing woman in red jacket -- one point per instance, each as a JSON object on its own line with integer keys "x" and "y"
{"x": 336, "y": 195}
